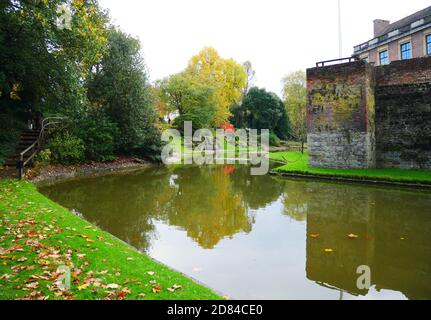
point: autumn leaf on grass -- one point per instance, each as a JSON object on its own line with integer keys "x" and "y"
{"x": 123, "y": 293}
{"x": 353, "y": 236}
{"x": 329, "y": 250}
{"x": 156, "y": 289}
{"x": 32, "y": 285}
{"x": 151, "y": 273}
{"x": 103, "y": 272}
{"x": 174, "y": 288}
{"x": 112, "y": 286}
{"x": 81, "y": 256}
{"x": 83, "y": 287}
{"x": 315, "y": 235}
{"x": 23, "y": 259}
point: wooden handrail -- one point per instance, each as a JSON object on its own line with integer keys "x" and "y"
{"x": 35, "y": 147}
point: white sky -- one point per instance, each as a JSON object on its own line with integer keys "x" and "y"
{"x": 277, "y": 36}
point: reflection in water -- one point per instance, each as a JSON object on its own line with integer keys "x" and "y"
{"x": 233, "y": 227}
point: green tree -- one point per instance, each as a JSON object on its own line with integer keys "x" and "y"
{"x": 193, "y": 100}
{"x": 295, "y": 100}
{"x": 120, "y": 87}
{"x": 264, "y": 110}
{"x": 97, "y": 132}
{"x": 42, "y": 65}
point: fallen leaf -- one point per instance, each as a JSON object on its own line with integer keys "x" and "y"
{"x": 32, "y": 285}
{"x": 329, "y": 250}
{"x": 112, "y": 286}
{"x": 83, "y": 287}
{"x": 157, "y": 289}
{"x": 315, "y": 235}
{"x": 353, "y": 236}
{"x": 23, "y": 259}
{"x": 151, "y": 273}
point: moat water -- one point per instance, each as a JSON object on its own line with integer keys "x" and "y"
{"x": 261, "y": 237}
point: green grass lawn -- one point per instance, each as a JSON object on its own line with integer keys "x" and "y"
{"x": 230, "y": 150}
{"x": 298, "y": 163}
{"x": 37, "y": 236}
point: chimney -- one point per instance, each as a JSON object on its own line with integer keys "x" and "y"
{"x": 379, "y": 26}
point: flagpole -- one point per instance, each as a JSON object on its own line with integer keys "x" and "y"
{"x": 340, "y": 40}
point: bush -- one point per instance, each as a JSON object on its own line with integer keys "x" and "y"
{"x": 67, "y": 149}
{"x": 274, "y": 140}
{"x": 97, "y": 133}
{"x": 43, "y": 158}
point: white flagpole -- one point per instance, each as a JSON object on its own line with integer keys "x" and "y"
{"x": 340, "y": 40}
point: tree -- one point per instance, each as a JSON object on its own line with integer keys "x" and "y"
{"x": 264, "y": 110}
{"x": 120, "y": 87}
{"x": 193, "y": 100}
{"x": 227, "y": 77}
{"x": 42, "y": 65}
{"x": 295, "y": 100}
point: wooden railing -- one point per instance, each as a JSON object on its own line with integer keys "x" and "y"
{"x": 28, "y": 154}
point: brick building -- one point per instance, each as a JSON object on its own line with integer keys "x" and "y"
{"x": 402, "y": 40}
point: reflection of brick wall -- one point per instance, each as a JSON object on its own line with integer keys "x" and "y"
{"x": 357, "y": 113}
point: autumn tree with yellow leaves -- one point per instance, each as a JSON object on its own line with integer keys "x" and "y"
{"x": 226, "y": 76}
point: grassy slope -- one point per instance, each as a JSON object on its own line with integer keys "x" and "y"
{"x": 298, "y": 163}
{"x": 37, "y": 236}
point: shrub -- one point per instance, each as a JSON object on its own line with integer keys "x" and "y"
{"x": 274, "y": 140}
{"x": 43, "y": 158}
{"x": 97, "y": 133}
{"x": 67, "y": 148}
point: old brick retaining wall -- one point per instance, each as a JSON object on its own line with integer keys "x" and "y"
{"x": 341, "y": 109}
{"x": 360, "y": 116}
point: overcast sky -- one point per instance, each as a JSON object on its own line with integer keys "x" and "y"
{"x": 277, "y": 36}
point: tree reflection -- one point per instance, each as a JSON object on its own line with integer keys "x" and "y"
{"x": 206, "y": 206}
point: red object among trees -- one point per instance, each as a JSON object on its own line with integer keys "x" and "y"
{"x": 227, "y": 127}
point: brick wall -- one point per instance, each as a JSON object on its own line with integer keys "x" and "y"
{"x": 341, "y": 116}
{"x": 403, "y": 114}
{"x": 364, "y": 117}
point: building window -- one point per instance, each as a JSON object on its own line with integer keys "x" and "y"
{"x": 365, "y": 58}
{"x": 428, "y": 41}
{"x": 406, "y": 51}
{"x": 384, "y": 57}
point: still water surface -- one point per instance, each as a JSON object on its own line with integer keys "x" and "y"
{"x": 253, "y": 237}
